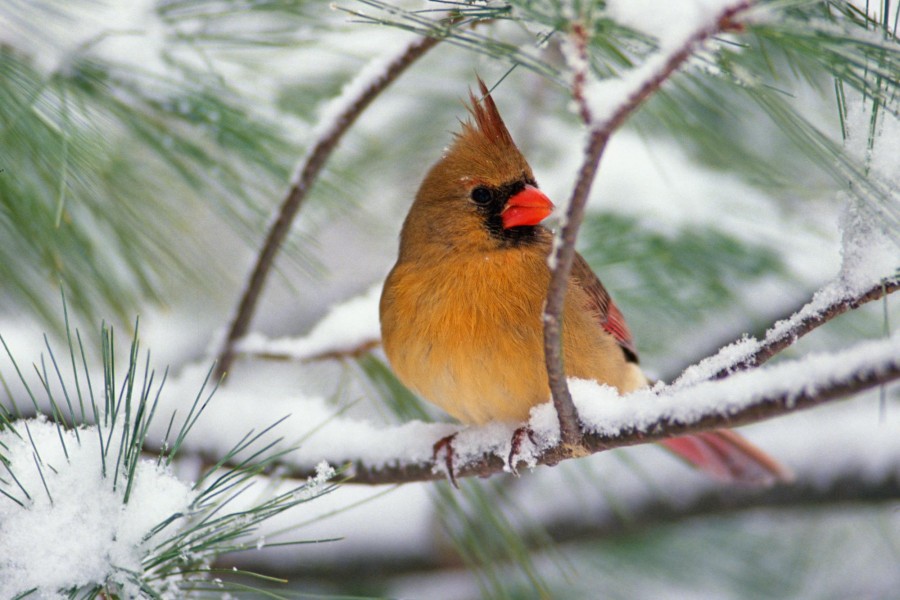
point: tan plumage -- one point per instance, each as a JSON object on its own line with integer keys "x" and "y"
{"x": 461, "y": 309}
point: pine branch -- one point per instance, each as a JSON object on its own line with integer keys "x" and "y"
{"x": 773, "y": 400}
{"x": 306, "y": 176}
{"x": 602, "y": 128}
{"x": 788, "y": 329}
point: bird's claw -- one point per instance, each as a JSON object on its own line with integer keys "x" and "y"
{"x": 446, "y": 444}
{"x": 516, "y": 445}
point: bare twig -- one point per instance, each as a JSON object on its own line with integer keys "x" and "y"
{"x": 308, "y": 172}
{"x": 846, "y": 486}
{"x": 565, "y": 251}
{"x": 580, "y": 76}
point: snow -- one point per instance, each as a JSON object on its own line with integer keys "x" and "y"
{"x": 671, "y": 23}
{"x": 78, "y": 531}
{"x": 348, "y": 326}
{"x": 839, "y": 441}
{"x": 603, "y": 411}
{"x": 674, "y": 24}
{"x": 819, "y": 445}
{"x": 320, "y": 435}
{"x": 868, "y": 251}
{"x": 869, "y": 243}
{"x": 310, "y": 424}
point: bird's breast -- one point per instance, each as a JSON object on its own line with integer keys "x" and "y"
{"x": 468, "y": 336}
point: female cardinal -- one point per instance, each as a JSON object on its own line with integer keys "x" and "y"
{"x": 461, "y": 309}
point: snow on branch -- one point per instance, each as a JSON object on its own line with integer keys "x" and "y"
{"x": 605, "y": 106}
{"x": 405, "y": 453}
{"x": 609, "y": 420}
{"x": 350, "y": 329}
{"x": 829, "y": 302}
{"x": 340, "y": 115}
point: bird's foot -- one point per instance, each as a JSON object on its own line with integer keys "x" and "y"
{"x": 445, "y": 444}
{"x": 518, "y": 438}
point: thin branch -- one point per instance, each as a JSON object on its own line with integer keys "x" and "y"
{"x": 803, "y": 322}
{"x": 655, "y": 509}
{"x": 800, "y": 321}
{"x": 339, "y": 354}
{"x": 306, "y": 176}
{"x": 565, "y": 250}
{"x": 580, "y": 76}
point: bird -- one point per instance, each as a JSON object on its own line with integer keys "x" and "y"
{"x": 461, "y": 310}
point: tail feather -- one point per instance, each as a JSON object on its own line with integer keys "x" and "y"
{"x": 727, "y": 456}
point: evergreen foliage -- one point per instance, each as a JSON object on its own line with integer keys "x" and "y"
{"x": 120, "y": 181}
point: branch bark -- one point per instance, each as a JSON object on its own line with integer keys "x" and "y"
{"x": 361, "y": 349}
{"x": 307, "y": 174}
{"x": 564, "y": 254}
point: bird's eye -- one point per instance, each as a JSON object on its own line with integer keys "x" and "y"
{"x": 481, "y": 195}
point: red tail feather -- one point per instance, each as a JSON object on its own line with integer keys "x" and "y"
{"x": 726, "y": 456}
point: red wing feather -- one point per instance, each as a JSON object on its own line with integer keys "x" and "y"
{"x": 722, "y": 453}
{"x": 605, "y": 310}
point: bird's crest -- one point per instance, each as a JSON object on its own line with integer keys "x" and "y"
{"x": 487, "y": 118}
{"x": 484, "y": 150}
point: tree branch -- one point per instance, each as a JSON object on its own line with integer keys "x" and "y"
{"x": 360, "y": 349}
{"x": 654, "y": 509}
{"x": 306, "y": 176}
{"x": 776, "y": 400}
{"x": 804, "y": 321}
{"x": 813, "y": 314}
{"x": 648, "y": 510}
{"x": 601, "y": 131}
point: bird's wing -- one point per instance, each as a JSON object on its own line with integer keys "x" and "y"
{"x": 605, "y": 310}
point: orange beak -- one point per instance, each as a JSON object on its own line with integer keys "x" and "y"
{"x": 528, "y": 207}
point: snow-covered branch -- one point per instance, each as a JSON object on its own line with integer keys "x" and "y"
{"x": 613, "y": 421}
{"x": 619, "y": 98}
{"x": 386, "y": 455}
{"x": 342, "y": 113}
{"x": 829, "y": 302}
{"x": 349, "y": 330}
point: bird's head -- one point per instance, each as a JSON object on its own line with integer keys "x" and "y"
{"x": 481, "y": 194}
